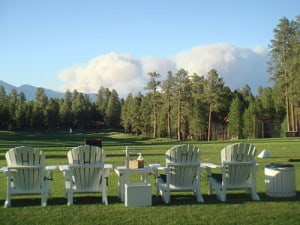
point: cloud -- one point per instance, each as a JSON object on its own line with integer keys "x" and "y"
{"x": 128, "y": 74}
{"x": 238, "y": 66}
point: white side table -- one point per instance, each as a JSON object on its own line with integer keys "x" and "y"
{"x": 124, "y": 176}
{"x": 280, "y": 180}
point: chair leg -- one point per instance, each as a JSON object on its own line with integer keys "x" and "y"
{"x": 199, "y": 196}
{"x": 254, "y": 195}
{"x": 220, "y": 192}
{"x": 209, "y": 182}
{"x": 221, "y": 196}
{"x": 44, "y": 199}
{"x": 166, "y": 198}
{"x": 104, "y": 200}
{"x": 165, "y": 195}
{"x": 209, "y": 189}
{"x": 70, "y": 197}
{"x": 7, "y": 202}
{"x": 69, "y": 192}
{"x": 104, "y": 193}
{"x": 157, "y": 182}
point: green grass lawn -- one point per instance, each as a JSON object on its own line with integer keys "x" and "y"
{"x": 183, "y": 209}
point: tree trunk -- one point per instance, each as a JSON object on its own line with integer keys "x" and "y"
{"x": 179, "y": 120}
{"x": 287, "y": 109}
{"x": 209, "y": 124}
{"x": 154, "y": 122}
{"x": 293, "y": 117}
{"x": 169, "y": 123}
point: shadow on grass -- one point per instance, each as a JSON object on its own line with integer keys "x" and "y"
{"x": 239, "y": 198}
{"x": 176, "y": 200}
{"x": 59, "y": 138}
{"x": 266, "y": 198}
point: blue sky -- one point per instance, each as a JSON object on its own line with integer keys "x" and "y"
{"x": 83, "y": 45}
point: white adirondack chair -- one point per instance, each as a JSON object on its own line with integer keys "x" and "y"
{"x": 26, "y": 174}
{"x": 85, "y": 172}
{"x": 238, "y": 171}
{"x": 182, "y": 172}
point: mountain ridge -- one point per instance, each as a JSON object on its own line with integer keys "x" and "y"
{"x": 30, "y": 91}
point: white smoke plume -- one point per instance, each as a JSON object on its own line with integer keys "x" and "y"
{"x": 128, "y": 74}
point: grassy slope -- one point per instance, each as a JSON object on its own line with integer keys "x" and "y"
{"x": 239, "y": 209}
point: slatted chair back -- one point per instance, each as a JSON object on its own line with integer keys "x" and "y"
{"x": 27, "y": 164}
{"x": 183, "y": 164}
{"x": 87, "y": 163}
{"x": 237, "y": 160}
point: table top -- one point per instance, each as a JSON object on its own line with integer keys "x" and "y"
{"x": 66, "y": 167}
{"x": 49, "y": 167}
{"x": 209, "y": 165}
{"x": 122, "y": 169}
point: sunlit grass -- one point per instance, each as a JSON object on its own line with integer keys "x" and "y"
{"x": 183, "y": 209}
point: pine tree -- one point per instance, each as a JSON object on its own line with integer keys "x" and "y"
{"x": 284, "y": 65}
{"x": 4, "y": 113}
{"x": 181, "y": 93}
{"x": 167, "y": 96}
{"x": 235, "y": 119}
{"x": 125, "y": 114}
{"x": 52, "y": 114}
{"x": 65, "y": 110}
{"x": 213, "y": 91}
{"x": 198, "y": 116}
{"x": 152, "y": 86}
{"x": 113, "y": 110}
{"x": 40, "y": 103}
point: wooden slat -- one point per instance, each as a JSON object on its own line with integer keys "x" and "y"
{"x": 26, "y": 179}
{"x": 86, "y": 177}
{"x": 183, "y": 154}
{"x": 239, "y": 152}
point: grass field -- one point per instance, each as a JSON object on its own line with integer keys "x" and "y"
{"x": 183, "y": 209}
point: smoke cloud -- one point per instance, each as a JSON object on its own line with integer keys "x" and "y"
{"x": 128, "y": 74}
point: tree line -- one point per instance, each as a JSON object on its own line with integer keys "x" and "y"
{"x": 182, "y": 106}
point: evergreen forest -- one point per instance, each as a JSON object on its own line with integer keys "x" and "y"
{"x": 181, "y": 106}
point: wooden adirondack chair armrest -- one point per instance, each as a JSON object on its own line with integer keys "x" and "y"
{"x": 67, "y": 171}
{"x": 161, "y": 168}
{"x": 3, "y": 169}
{"x": 12, "y": 169}
{"x": 51, "y": 168}
{"x": 24, "y": 167}
{"x": 239, "y": 163}
{"x": 107, "y": 168}
{"x": 209, "y": 167}
{"x": 6, "y": 171}
{"x": 94, "y": 165}
{"x": 156, "y": 168}
{"x": 64, "y": 167}
{"x": 49, "y": 172}
{"x": 183, "y": 164}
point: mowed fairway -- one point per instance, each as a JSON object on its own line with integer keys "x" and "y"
{"x": 183, "y": 209}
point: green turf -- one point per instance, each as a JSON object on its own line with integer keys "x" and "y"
{"x": 183, "y": 209}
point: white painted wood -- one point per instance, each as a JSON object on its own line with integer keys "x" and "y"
{"x": 26, "y": 174}
{"x": 238, "y": 169}
{"x": 86, "y": 172}
{"x": 182, "y": 172}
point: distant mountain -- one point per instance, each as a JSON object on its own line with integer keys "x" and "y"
{"x": 30, "y": 91}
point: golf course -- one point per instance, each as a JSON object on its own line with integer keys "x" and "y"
{"x": 183, "y": 208}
